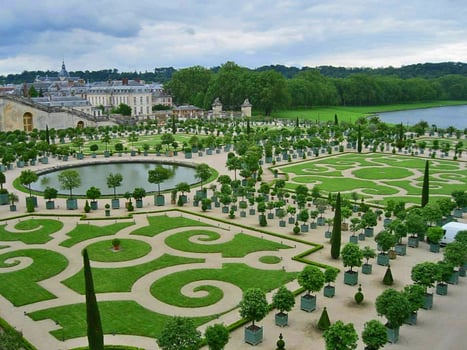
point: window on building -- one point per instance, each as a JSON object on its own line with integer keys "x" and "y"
{"x": 134, "y": 100}
{"x": 27, "y": 122}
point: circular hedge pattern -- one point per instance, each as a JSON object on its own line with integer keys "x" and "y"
{"x": 383, "y": 173}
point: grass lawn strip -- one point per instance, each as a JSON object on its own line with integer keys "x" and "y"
{"x": 118, "y": 317}
{"x": 83, "y": 232}
{"x": 114, "y": 280}
{"x": 161, "y": 223}
{"x": 240, "y": 246}
{"x": 20, "y": 287}
{"x": 167, "y": 289}
{"x": 129, "y": 249}
{"x": 31, "y": 231}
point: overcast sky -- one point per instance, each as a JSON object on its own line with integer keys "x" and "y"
{"x": 144, "y": 34}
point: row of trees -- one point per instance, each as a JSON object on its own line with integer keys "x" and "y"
{"x": 268, "y": 90}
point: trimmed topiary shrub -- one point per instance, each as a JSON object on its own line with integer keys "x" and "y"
{"x": 387, "y": 279}
{"x": 324, "y": 322}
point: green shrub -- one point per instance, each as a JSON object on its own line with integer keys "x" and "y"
{"x": 324, "y": 322}
{"x": 359, "y": 295}
{"x": 387, "y": 279}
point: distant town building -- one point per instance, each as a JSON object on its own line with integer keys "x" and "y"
{"x": 246, "y": 108}
{"x": 187, "y": 112}
{"x": 217, "y": 108}
{"x": 159, "y": 96}
{"x": 111, "y": 94}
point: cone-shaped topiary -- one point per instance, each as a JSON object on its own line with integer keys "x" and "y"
{"x": 336, "y": 229}
{"x": 388, "y": 280}
{"x": 359, "y": 295}
{"x": 324, "y": 322}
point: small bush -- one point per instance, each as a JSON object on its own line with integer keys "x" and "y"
{"x": 324, "y": 322}
{"x": 387, "y": 279}
{"x": 359, "y": 295}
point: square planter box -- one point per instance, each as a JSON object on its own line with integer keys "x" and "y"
{"x": 361, "y": 236}
{"x": 413, "y": 242}
{"x": 281, "y": 319}
{"x": 282, "y": 223}
{"x": 369, "y": 231}
{"x": 442, "y": 289}
{"x": 225, "y": 209}
{"x": 94, "y": 205}
{"x": 159, "y": 200}
{"x": 308, "y": 303}
{"x": 253, "y": 335}
{"x": 270, "y": 216}
{"x": 291, "y": 220}
{"x": 304, "y": 228}
{"x": 252, "y": 211}
{"x": 139, "y": 203}
{"x": 454, "y": 279}
{"x": 243, "y": 214}
{"x": 351, "y": 278}
{"x": 434, "y": 247}
{"x": 401, "y": 249}
{"x": 327, "y": 234}
{"x": 412, "y": 319}
{"x": 72, "y": 204}
{"x": 428, "y": 301}
{"x": 353, "y": 239}
{"x": 313, "y": 225}
{"x": 329, "y": 291}
{"x": 115, "y": 203}
{"x": 393, "y": 334}
{"x": 367, "y": 269}
{"x": 382, "y": 259}
{"x": 50, "y": 205}
{"x": 4, "y": 199}
{"x": 217, "y": 204}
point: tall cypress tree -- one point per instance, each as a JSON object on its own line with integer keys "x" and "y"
{"x": 426, "y": 186}
{"x": 95, "y": 334}
{"x": 359, "y": 140}
{"x": 336, "y": 230}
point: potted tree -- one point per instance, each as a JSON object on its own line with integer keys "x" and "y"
{"x": 138, "y": 194}
{"x": 253, "y": 307}
{"x": 368, "y": 253}
{"x": 416, "y": 226}
{"x": 330, "y": 275}
{"x": 116, "y": 244}
{"x": 399, "y": 228}
{"x": 369, "y": 221}
{"x": 426, "y": 274}
{"x": 13, "y": 198}
{"x": 460, "y": 197}
{"x": 107, "y": 209}
{"x": 354, "y": 226}
{"x": 312, "y": 280}
{"x": 340, "y": 336}
{"x": 217, "y": 336}
{"x": 455, "y": 253}
{"x": 3, "y": 191}
{"x": 445, "y": 272}
{"x": 415, "y": 294}
{"x": 303, "y": 216}
{"x": 70, "y": 179}
{"x": 351, "y": 256}
{"x": 328, "y": 232}
{"x": 283, "y": 300}
{"x": 114, "y": 181}
{"x": 50, "y": 194}
{"x": 434, "y": 235}
{"x": 393, "y": 305}
{"x": 156, "y": 176}
{"x": 374, "y": 335}
{"x": 93, "y": 193}
{"x": 386, "y": 241}
{"x": 27, "y": 177}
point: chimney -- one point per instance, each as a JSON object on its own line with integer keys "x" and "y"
{"x": 125, "y": 81}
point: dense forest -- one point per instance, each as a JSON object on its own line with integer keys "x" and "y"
{"x": 275, "y": 87}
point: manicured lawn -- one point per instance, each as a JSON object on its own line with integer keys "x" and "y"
{"x": 161, "y": 223}
{"x": 36, "y": 231}
{"x": 351, "y": 114}
{"x": 167, "y": 289}
{"x": 129, "y": 249}
{"x": 374, "y": 174}
{"x": 118, "y": 317}
{"x": 121, "y": 279}
{"x": 21, "y": 287}
{"x": 239, "y": 246}
{"x": 83, "y": 232}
